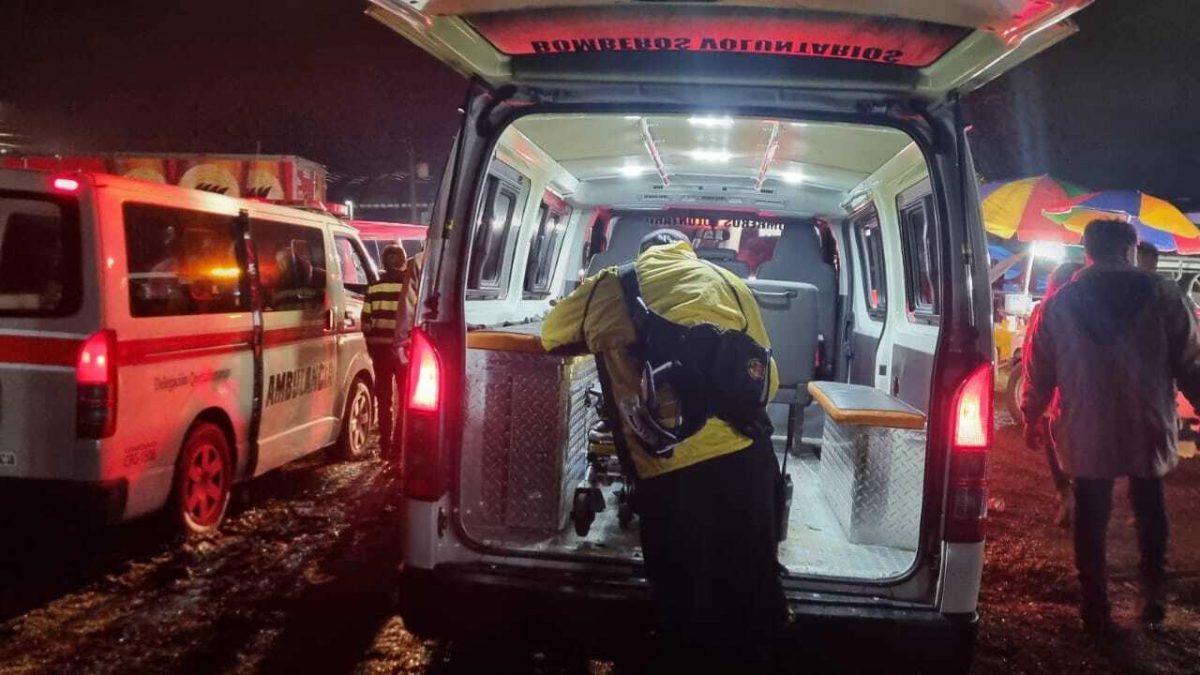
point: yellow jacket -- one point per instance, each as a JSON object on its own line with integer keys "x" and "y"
{"x": 684, "y": 290}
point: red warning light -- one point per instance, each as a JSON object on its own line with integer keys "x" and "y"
{"x": 70, "y": 185}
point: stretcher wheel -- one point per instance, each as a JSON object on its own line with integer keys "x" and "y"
{"x": 583, "y": 513}
{"x": 625, "y": 515}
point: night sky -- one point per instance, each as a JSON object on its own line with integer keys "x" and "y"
{"x": 1112, "y": 107}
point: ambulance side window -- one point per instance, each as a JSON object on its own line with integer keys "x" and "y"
{"x": 182, "y": 262}
{"x": 490, "y": 266}
{"x": 354, "y": 267}
{"x": 543, "y": 252}
{"x": 919, "y": 242}
{"x": 290, "y": 265}
{"x": 870, "y": 251}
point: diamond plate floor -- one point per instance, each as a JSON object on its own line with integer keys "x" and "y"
{"x": 816, "y": 545}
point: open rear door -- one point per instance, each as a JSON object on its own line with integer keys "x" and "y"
{"x": 921, "y": 48}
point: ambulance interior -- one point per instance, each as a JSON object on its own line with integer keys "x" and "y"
{"x": 809, "y": 214}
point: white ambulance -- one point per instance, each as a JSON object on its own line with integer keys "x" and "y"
{"x": 159, "y": 344}
{"x": 816, "y": 149}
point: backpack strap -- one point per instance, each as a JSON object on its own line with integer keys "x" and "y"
{"x": 631, "y": 292}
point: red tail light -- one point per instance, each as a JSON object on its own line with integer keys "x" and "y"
{"x": 424, "y": 375}
{"x": 67, "y": 185}
{"x": 424, "y": 458}
{"x": 96, "y": 386}
{"x": 971, "y": 439}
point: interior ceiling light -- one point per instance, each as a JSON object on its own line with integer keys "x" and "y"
{"x": 710, "y": 155}
{"x": 633, "y": 117}
{"x": 792, "y": 177}
{"x": 711, "y": 122}
{"x": 632, "y": 171}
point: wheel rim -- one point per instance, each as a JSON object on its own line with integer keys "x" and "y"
{"x": 360, "y": 418}
{"x": 206, "y": 486}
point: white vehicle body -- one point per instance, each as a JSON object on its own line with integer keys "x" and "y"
{"x": 206, "y": 309}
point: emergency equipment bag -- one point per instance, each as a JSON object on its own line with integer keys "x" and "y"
{"x": 692, "y": 373}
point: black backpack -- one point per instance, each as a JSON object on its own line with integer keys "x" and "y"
{"x": 691, "y": 374}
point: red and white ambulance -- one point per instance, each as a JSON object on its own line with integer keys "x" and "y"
{"x": 158, "y": 344}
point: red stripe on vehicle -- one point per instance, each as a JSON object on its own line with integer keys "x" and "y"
{"x": 157, "y": 350}
{"x": 282, "y": 336}
{"x": 39, "y": 351}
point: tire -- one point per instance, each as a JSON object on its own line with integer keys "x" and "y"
{"x": 1012, "y": 394}
{"x": 357, "y": 420}
{"x": 203, "y": 480}
{"x": 582, "y": 513}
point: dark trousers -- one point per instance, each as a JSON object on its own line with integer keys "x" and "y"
{"x": 709, "y": 542}
{"x": 389, "y": 378}
{"x": 1093, "y": 505}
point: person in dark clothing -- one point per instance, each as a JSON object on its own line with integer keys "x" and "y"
{"x": 1061, "y": 276}
{"x": 1113, "y": 343}
{"x": 385, "y": 323}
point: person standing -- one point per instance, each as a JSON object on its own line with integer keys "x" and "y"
{"x": 707, "y": 512}
{"x": 1113, "y": 342}
{"x": 385, "y": 324}
{"x": 1061, "y": 276}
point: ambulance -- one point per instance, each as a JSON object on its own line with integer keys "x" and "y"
{"x": 160, "y": 344}
{"x": 816, "y": 149}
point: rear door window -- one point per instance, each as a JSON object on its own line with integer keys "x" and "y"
{"x": 39, "y": 255}
{"x": 182, "y": 262}
{"x": 870, "y": 251}
{"x": 291, "y": 263}
{"x": 918, "y": 237}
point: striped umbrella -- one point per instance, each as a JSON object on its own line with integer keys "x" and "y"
{"x": 1157, "y": 220}
{"x": 1015, "y": 208}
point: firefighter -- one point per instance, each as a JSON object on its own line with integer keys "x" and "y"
{"x": 708, "y": 512}
{"x": 385, "y": 323}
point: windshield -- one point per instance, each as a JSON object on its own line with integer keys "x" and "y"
{"x": 39, "y": 255}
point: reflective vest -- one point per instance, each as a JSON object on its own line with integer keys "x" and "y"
{"x": 385, "y": 319}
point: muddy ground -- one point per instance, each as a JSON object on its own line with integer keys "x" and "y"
{"x": 301, "y": 580}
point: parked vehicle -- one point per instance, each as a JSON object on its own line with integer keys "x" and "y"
{"x": 377, "y": 235}
{"x": 159, "y": 344}
{"x": 588, "y": 127}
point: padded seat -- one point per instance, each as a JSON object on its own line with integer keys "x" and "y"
{"x": 789, "y": 312}
{"x": 798, "y": 257}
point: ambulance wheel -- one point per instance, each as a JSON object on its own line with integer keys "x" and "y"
{"x": 582, "y": 513}
{"x": 203, "y": 480}
{"x": 1012, "y": 396}
{"x": 356, "y": 420}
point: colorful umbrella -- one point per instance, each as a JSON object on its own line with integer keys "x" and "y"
{"x": 1015, "y": 208}
{"x": 1157, "y": 220}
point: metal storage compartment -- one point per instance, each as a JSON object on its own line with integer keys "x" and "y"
{"x": 872, "y": 467}
{"x": 525, "y": 435}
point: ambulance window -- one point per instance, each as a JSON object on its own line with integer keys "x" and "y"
{"x": 870, "y": 251}
{"x": 487, "y": 269}
{"x": 919, "y": 242}
{"x": 543, "y": 251}
{"x": 39, "y": 255}
{"x": 182, "y": 262}
{"x": 291, "y": 265}
{"x": 354, "y": 267}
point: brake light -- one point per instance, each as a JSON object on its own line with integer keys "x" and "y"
{"x": 424, "y": 375}
{"x": 96, "y": 386}
{"x": 971, "y": 439}
{"x": 68, "y": 185}
{"x": 425, "y": 473}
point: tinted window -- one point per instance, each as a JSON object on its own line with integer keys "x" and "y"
{"x": 491, "y": 237}
{"x": 354, "y": 268}
{"x": 919, "y": 242}
{"x": 543, "y": 250}
{"x": 291, "y": 263}
{"x": 182, "y": 262}
{"x": 39, "y": 256}
{"x": 870, "y": 248}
